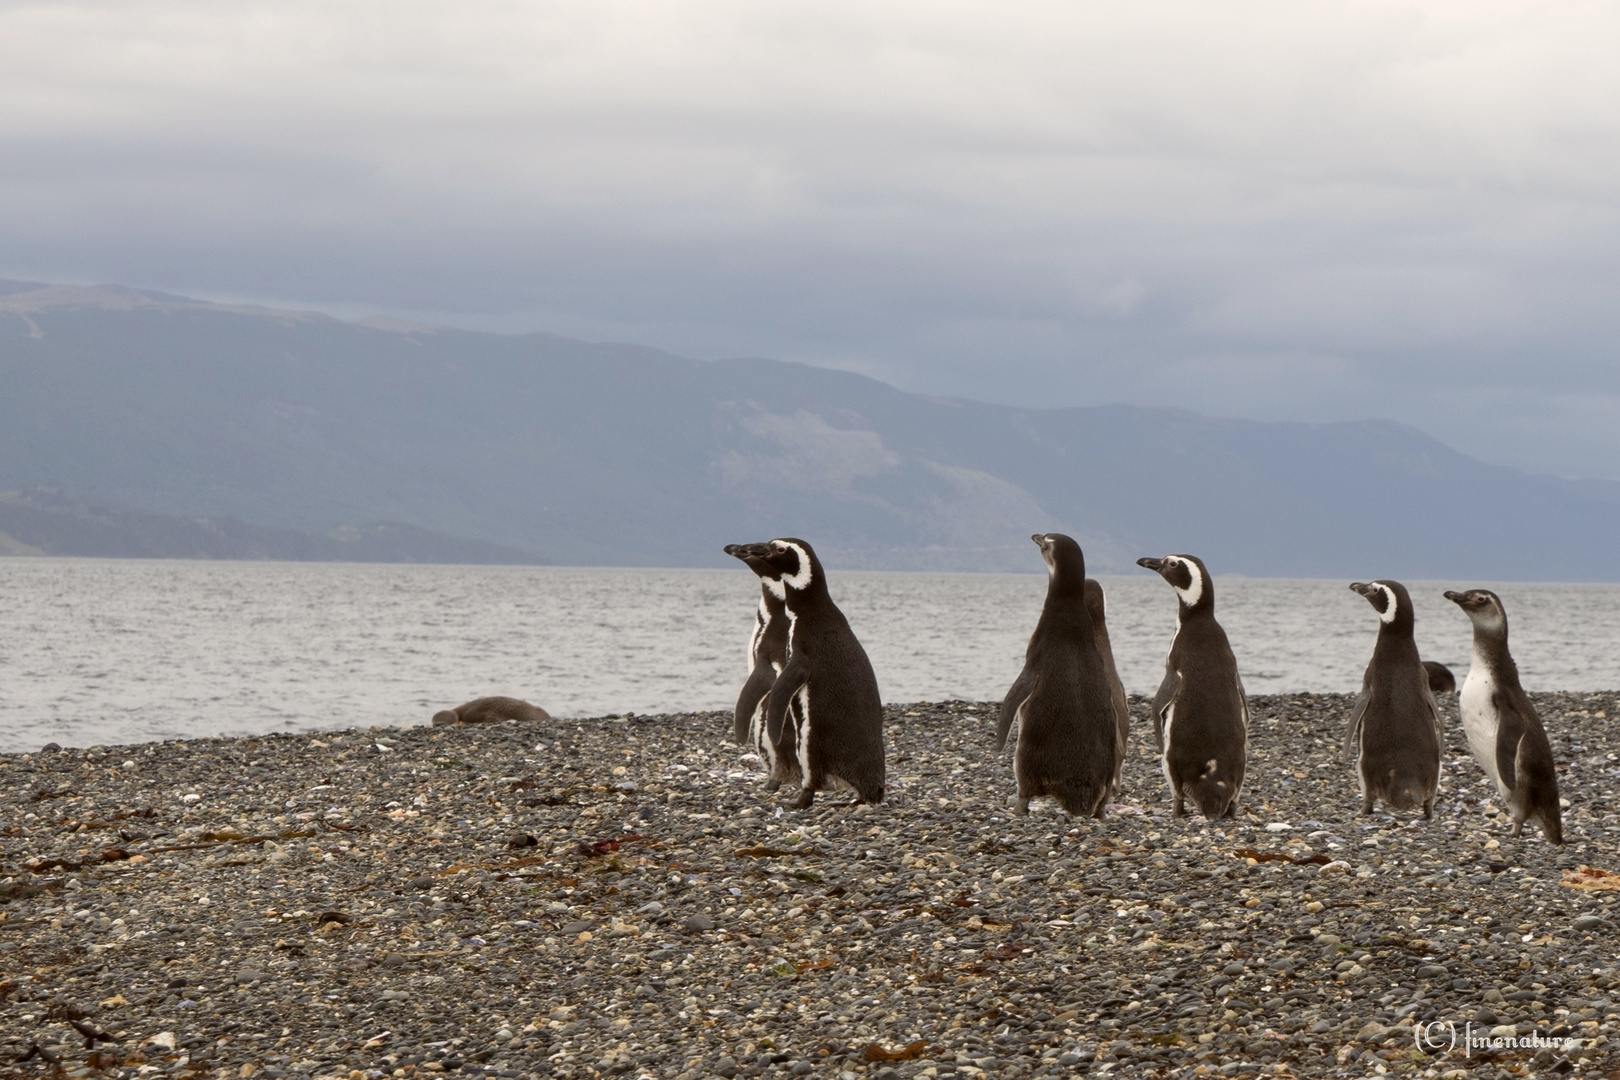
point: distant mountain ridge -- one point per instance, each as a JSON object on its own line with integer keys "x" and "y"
{"x": 624, "y": 455}
{"x": 42, "y": 522}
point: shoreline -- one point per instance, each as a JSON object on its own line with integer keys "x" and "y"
{"x": 629, "y": 901}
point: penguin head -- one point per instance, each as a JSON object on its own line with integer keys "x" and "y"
{"x": 786, "y": 565}
{"x": 1389, "y": 598}
{"x": 1063, "y": 556}
{"x": 1185, "y": 574}
{"x": 753, "y": 555}
{"x": 1483, "y": 608}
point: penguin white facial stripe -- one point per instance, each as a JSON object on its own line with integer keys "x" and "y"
{"x": 778, "y": 590}
{"x": 1194, "y": 591}
{"x": 1390, "y": 605}
{"x": 800, "y": 578}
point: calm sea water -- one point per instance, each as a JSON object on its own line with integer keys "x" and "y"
{"x": 119, "y": 651}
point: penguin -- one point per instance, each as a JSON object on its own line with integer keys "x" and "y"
{"x": 1097, "y": 608}
{"x": 489, "y": 710}
{"x": 767, "y": 655}
{"x": 1062, "y": 701}
{"x": 823, "y": 715}
{"x": 1503, "y": 729}
{"x": 1200, "y": 713}
{"x": 1394, "y": 725}
{"x": 1441, "y": 680}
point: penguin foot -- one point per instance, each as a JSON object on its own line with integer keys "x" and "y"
{"x": 806, "y": 797}
{"x": 772, "y": 784}
{"x": 1021, "y": 805}
{"x": 1178, "y": 809}
{"x": 1428, "y": 810}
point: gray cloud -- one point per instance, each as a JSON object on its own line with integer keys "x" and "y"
{"x": 1254, "y": 209}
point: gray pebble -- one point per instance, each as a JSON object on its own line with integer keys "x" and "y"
{"x": 1086, "y": 917}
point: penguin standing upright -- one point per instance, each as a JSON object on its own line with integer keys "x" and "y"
{"x": 767, "y": 655}
{"x": 1393, "y": 727}
{"x": 1068, "y": 732}
{"x": 1503, "y": 729}
{"x": 823, "y": 715}
{"x": 1200, "y": 714}
{"x": 1097, "y": 608}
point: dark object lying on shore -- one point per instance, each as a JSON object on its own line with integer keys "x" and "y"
{"x": 491, "y": 710}
{"x": 1441, "y": 680}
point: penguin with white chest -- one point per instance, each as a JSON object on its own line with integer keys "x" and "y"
{"x": 1503, "y": 729}
{"x": 1062, "y": 701}
{"x": 1097, "y": 608}
{"x": 767, "y": 656}
{"x": 1394, "y": 734}
{"x": 1200, "y": 714}
{"x": 823, "y": 715}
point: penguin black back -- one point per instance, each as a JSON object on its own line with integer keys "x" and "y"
{"x": 1393, "y": 730}
{"x": 824, "y": 709}
{"x": 1441, "y": 680}
{"x": 1062, "y": 701}
{"x": 767, "y": 654}
{"x": 492, "y": 710}
{"x": 1200, "y": 713}
{"x": 1504, "y": 731}
{"x": 1097, "y": 608}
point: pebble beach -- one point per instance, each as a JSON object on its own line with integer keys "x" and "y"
{"x": 620, "y": 897}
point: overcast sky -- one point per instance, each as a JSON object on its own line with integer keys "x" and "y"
{"x": 1269, "y": 210}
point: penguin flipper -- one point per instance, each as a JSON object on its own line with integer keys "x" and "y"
{"x": 1352, "y": 737}
{"x": 1017, "y": 694}
{"x": 753, "y": 692}
{"x": 1509, "y": 738}
{"x": 788, "y": 683}
{"x": 1162, "y": 701}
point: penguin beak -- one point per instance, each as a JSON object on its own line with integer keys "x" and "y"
{"x": 1155, "y": 565}
{"x": 746, "y": 551}
{"x": 1040, "y": 541}
{"x": 1361, "y": 587}
{"x": 1456, "y": 598}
